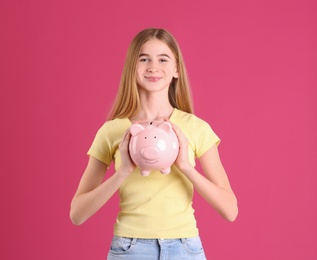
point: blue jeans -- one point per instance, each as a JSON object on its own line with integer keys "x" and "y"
{"x": 156, "y": 249}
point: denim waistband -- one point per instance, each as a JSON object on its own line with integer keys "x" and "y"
{"x": 152, "y": 240}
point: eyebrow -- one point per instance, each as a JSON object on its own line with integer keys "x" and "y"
{"x": 159, "y": 55}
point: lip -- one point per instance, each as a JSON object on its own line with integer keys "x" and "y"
{"x": 152, "y": 78}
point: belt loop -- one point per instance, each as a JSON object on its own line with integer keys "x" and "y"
{"x": 183, "y": 240}
{"x": 133, "y": 242}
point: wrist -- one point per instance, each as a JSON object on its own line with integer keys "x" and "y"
{"x": 186, "y": 168}
{"x": 123, "y": 172}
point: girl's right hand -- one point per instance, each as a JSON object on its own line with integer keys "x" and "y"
{"x": 127, "y": 166}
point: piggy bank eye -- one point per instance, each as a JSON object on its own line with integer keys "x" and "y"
{"x": 144, "y": 137}
{"x": 154, "y": 136}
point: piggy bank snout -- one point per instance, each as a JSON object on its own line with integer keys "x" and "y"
{"x": 150, "y": 153}
{"x": 153, "y": 147}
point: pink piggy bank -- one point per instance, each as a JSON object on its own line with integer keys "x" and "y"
{"x": 153, "y": 146}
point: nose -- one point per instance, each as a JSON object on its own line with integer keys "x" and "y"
{"x": 152, "y": 66}
{"x": 152, "y": 69}
{"x": 150, "y": 153}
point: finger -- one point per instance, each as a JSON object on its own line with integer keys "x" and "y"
{"x": 178, "y": 131}
{"x": 126, "y": 137}
{"x": 175, "y": 127}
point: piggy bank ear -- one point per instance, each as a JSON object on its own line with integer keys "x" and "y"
{"x": 166, "y": 126}
{"x": 136, "y": 128}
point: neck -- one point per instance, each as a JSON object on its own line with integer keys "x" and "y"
{"x": 153, "y": 107}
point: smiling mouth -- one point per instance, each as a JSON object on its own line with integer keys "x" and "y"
{"x": 151, "y": 162}
{"x": 153, "y": 79}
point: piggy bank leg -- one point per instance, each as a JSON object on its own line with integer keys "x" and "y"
{"x": 145, "y": 173}
{"x": 166, "y": 170}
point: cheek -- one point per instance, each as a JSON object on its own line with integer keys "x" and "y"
{"x": 172, "y": 70}
{"x": 139, "y": 74}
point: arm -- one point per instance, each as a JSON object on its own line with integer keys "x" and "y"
{"x": 92, "y": 192}
{"x": 214, "y": 187}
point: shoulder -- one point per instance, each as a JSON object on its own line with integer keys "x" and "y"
{"x": 115, "y": 128}
{"x": 187, "y": 120}
{"x": 199, "y": 133}
{"x": 117, "y": 122}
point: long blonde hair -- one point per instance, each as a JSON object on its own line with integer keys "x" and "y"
{"x": 127, "y": 101}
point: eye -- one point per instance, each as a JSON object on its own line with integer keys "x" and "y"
{"x": 154, "y": 136}
{"x": 144, "y": 59}
{"x": 163, "y": 60}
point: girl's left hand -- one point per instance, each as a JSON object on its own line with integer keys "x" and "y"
{"x": 127, "y": 164}
{"x": 182, "y": 160}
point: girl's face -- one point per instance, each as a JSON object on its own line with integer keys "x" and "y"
{"x": 156, "y": 66}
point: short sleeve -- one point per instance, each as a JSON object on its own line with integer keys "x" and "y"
{"x": 101, "y": 147}
{"x": 205, "y": 138}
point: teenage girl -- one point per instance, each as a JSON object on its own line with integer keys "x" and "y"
{"x": 156, "y": 218}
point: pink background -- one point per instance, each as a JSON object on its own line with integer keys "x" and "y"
{"x": 252, "y": 66}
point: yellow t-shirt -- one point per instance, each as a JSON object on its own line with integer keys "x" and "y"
{"x": 155, "y": 206}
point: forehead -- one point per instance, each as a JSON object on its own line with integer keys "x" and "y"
{"x": 156, "y": 47}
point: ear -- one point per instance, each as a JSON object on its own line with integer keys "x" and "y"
{"x": 176, "y": 75}
{"x": 136, "y": 128}
{"x": 166, "y": 126}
